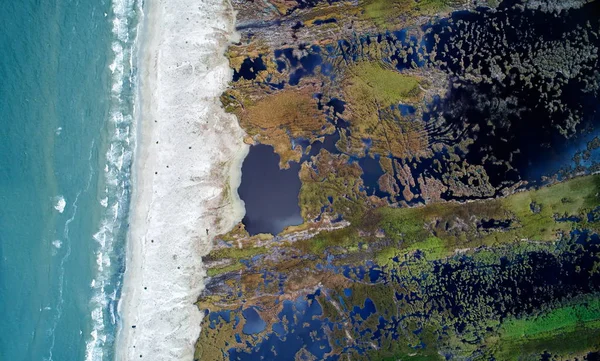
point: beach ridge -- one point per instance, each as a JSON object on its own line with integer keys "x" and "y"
{"x": 187, "y": 168}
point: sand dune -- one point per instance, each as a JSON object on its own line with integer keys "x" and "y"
{"x": 188, "y": 154}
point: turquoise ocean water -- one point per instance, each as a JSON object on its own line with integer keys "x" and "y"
{"x": 67, "y": 86}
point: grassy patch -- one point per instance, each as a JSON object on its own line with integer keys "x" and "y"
{"x": 560, "y": 319}
{"x": 388, "y": 14}
{"x": 571, "y": 198}
{"x": 211, "y": 272}
{"x": 454, "y": 223}
{"x": 345, "y": 237}
{"x": 212, "y": 342}
{"x": 565, "y": 342}
{"x": 236, "y": 253}
{"x": 233, "y": 253}
{"x": 439, "y": 229}
{"x": 433, "y": 247}
{"x": 331, "y": 177}
{"x": 371, "y": 80}
{"x": 370, "y": 88}
{"x": 276, "y": 117}
{"x": 383, "y": 12}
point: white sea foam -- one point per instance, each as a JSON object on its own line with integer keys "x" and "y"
{"x": 57, "y": 243}
{"x": 110, "y": 234}
{"x": 61, "y": 277}
{"x": 59, "y": 203}
{"x": 174, "y": 206}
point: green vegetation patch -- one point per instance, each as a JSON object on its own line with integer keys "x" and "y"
{"x": 331, "y": 177}
{"x": 566, "y": 343}
{"x": 562, "y": 319}
{"x": 372, "y": 80}
{"x": 345, "y": 237}
{"x": 431, "y": 289}
{"x": 386, "y": 14}
{"x": 211, "y": 272}
{"x": 370, "y": 88}
{"x": 442, "y": 228}
{"x": 236, "y": 253}
{"x": 537, "y": 210}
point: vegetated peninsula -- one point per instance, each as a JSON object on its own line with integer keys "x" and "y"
{"x": 421, "y": 183}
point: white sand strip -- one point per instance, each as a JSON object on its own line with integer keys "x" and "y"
{"x": 187, "y": 171}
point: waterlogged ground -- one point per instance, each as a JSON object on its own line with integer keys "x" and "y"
{"x": 502, "y": 279}
{"x": 421, "y": 185}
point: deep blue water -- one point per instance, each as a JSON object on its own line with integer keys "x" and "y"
{"x": 302, "y": 328}
{"x": 254, "y": 324}
{"x": 66, "y": 100}
{"x": 270, "y": 194}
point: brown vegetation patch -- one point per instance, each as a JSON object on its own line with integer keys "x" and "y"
{"x": 276, "y": 117}
{"x": 371, "y": 89}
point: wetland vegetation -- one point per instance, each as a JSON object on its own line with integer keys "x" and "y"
{"x": 442, "y": 160}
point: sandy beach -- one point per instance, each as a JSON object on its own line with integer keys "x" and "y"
{"x": 187, "y": 169}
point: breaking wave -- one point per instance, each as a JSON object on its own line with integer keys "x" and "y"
{"x": 110, "y": 237}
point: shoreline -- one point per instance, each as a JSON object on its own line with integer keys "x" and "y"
{"x": 186, "y": 171}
